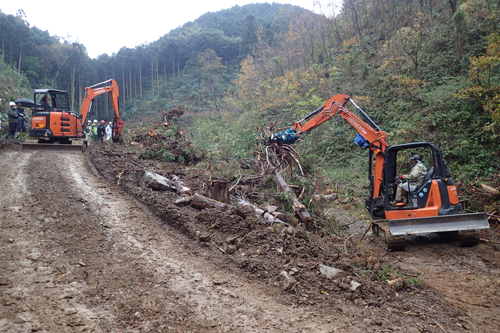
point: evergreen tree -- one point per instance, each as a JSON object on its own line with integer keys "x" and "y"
{"x": 249, "y": 37}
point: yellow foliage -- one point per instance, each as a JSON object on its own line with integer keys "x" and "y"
{"x": 484, "y": 72}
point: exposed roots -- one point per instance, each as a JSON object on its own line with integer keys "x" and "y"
{"x": 277, "y": 156}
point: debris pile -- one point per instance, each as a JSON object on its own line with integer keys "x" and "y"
{"x": 249, "y": 239}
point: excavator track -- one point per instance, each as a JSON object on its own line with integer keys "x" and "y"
{"x": 394, "y": 243}
{"x": 468, "y": 238}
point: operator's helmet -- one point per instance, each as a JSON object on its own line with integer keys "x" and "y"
{"x": 95, "y": 121}
{"x": 12, "y": 104}
{"x": 102, "y": 121}
{"x": 415, "y": 157}
{"x": 89, "y": 121}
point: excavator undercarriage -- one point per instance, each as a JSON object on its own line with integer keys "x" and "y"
{"x": 462, "y": 227}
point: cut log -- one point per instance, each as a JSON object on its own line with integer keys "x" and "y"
{"x": 157, "y": 182}
{"x": 179, "y": 185}
{"x": 218, "y": 189}
{"x": 299, "y": 209}
{"x": 201, "y": 202}
{"x": 490, "y": 190}
{"x": 271, "y": 218}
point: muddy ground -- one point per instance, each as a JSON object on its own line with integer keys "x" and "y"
{"x": 85, "y": 247}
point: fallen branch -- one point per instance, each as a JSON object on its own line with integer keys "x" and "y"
{"x": 179, "y": 185}
{"x": 488, "y": 240}
{"x": 232, "y": 187}
{"x": 345, "y": 243}
{"x": 261, "y": 213}
{"x": 299, "y": 209}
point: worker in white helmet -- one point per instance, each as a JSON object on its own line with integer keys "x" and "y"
{"x": 109, "y": 131}
{"x": 94, "y": 130}
{"x": 12, "y": 113}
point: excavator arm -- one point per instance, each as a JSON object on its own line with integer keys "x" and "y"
{"x": 109, "y": 86}
{"x": 370, "y": 135}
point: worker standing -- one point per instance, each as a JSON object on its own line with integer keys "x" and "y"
{"x": 94, "y": 130}
{"x": 88, "y": 131}
{"x": 109, "y": 131}
{"x": 12, "y": 114}
{"x": 101, "y": 129}
{"x": 21, "y": 124}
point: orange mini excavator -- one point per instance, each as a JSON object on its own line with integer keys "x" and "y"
{"x": 430, "y": 206}
{"x": 57, "y": 128}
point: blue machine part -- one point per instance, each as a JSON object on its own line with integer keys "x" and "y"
{"x": 361, "y": 142}
{"x": 288, "y": 136}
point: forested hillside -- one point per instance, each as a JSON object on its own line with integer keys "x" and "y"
{"x": 424, "y": 71}
{"x": 164, "y": 72}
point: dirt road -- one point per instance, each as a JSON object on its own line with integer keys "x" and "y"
{"x": 79, "y": 255}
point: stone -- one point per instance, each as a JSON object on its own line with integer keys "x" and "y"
{"x": 329, "y": 272}
{"x": 289, "y": 281}
{"x": 396, "y": 284}
{"x": 355, "y": 285}
{"x": 270, "y": 208}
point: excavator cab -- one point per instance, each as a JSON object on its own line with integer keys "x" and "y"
{"x": 432, "y": 194}
{"x": 430, "y": 205}
{"x": 52, "y": 119}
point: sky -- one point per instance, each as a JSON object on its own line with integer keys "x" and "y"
{"x": 108, "y": 25}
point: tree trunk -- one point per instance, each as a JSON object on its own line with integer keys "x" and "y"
{"x": 123, "y": 83}
{"x": 300, "y": 210}
{"x": 218, "y": 189}
{"x": 20, "y": 58}
{"x": 73, "y": 77}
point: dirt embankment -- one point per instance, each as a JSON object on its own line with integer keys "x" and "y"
{"x": 106, "y": 254}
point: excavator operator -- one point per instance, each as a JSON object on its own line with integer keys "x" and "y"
{"x": 417, "y": 171}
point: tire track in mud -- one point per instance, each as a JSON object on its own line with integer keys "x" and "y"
{"x": 27, "y": 278}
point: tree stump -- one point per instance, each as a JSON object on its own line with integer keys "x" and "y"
{"x": 218, "y": 189}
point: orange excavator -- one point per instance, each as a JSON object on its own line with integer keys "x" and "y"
{"x": 57, "y": 128}
{"x": 431, "y": 203}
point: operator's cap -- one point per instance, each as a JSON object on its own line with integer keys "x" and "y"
{"x": 12, "y": 103}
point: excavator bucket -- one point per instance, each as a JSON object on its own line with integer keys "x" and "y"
{"x": 54, "y": 147}
{"x": 446, "y": 223}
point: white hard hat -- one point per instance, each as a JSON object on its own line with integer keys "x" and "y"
{"x": 95, "y": 120}
{"x": 110, "y": 122}
{"x": 12, "y": 103}
{"x": 89, "y": 121}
